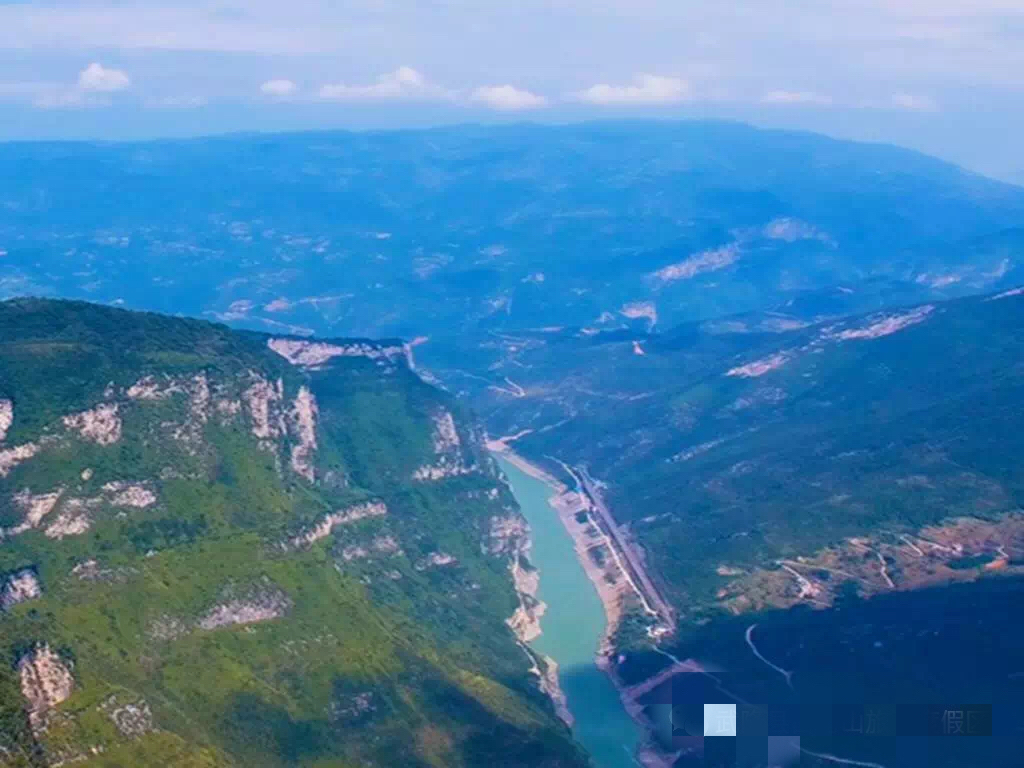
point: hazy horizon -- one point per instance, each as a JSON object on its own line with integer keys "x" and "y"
{"x": 945, "y": 77}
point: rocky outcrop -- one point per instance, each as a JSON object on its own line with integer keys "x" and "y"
{"x": 12, "y": 457}
{"x": 304, "y": 415}
{"x": 46, "y": 681}
{"x": 91, "y": 570}
{"x": 525, "y": 622}
{"x": 760, "y": 367}
{"x": 439, "y": 472}
{"x": 447, "y": 449}
{"x": 312, "y": 354}
{"x": 74, "y": 519}
{"x": 129, "y": 495}
{"x": 329, "y": 522}
{"x": 710, "y": 260}
{"x": 435, "y": 560}
{"x": 354, "y": 552}
{"x": 19, "y": 587}
{"x": 264, "y": 605}
{"x": 150, "y": 388}
{"x": 101, "y": 425}
{"x": 132, "y": 720}
{"x": 446, "y": 436}
{"x": 36, "y": 507}
{"x": 882, "y": 325}
{"x": 6, "y": 418}
{"x": 75, "y": 515}
{"x": 263, "y": 399}
{"x": 386, "y": 545}
{"x": 506, "y": 534}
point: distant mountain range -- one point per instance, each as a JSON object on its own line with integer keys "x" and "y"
{"x": 461, "y": 230}
{"x": 792, "y": 365}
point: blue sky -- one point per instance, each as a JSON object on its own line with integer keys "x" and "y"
{"x": 944, "y": 76}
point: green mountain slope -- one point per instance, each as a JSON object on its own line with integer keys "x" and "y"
{"x": 223, "y": 549}
{"x": 737, "y": 448}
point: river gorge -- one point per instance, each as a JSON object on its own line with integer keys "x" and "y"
{"x": 573, "y": 627}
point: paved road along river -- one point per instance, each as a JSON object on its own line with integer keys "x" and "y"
{"x": 572, "y": 629}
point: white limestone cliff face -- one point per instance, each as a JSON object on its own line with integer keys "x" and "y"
{"x": 435, "y": 560}
{"x": 74, "y": 519}
{"x": 439, "y": 472}
{"x": 883, "y": 325}
{"x": 304, "y": 414}
{"x": 36, "y": 507}
{"x": 386, "y": 545}
{"x": 710, "y": 260}
{"x": 329, "y": 522}
{"x": 312, "y": 354}
{"x": 21, "y": 586}
{"x": 199, "y": 398}
{"x": 263, "y": 400}
{"x": 525, "y": 622}
{"x": 354, "y": 552}
{"x": 760, "y": 367}
{"x": 267, "y": 605}
{"x": 446, "y": 436}
{"x": 196, "y": 389}
{"x": 228, "y": 408}
{"x": 12, "y": 457}
{"x": 101, "y": 425}
{"x": 46, "y": 682}
{"x": 152, "y": 388}
{"x": 6, "y": 418}
{"x": 447, "y": 449}
{"x": 135, "y": 495}
{"x": 506, "y": 534}
{"x": 75, "y": 514}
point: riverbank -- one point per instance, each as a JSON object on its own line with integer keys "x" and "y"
{"x": 574, "y": 621}
{"x": 607, "y": 570}
{"x": 609, "y": 581}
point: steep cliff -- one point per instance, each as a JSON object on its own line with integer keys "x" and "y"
{"x": 222, "y": 548}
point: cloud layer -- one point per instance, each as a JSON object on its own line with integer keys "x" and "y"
{"x": 98, "y": 79}
{"x": 508, "y": 98}
{"x": 404, "y": 83}
{"x": 279, "y": 88}
{"x": 645, "y": 90}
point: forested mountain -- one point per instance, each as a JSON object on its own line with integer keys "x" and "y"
{"x": 463, "y": 230}
{"x": 791, "y": 365}
{"x": 735, "y": 447}
{"x": 222, "y": 548}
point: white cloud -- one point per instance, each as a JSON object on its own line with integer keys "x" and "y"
{"x": 796, "y": 97}
{"x": 507, "y": 98}
{"x": 98, "y": 79}
{"x": 279, "y": 88}
{"x": 646, "y": 89}
{"x": 403, "y": 83}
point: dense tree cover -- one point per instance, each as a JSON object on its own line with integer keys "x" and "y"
{"x": 377, "y": 654}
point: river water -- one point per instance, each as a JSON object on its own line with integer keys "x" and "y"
{"x": 572, "y": 629}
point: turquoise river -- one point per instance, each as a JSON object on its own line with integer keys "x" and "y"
{"x": 572, "y": 628}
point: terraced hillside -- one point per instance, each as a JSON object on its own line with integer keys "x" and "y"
{"x": 221, "y": 548}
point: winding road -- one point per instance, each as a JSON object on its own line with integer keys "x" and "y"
{"x": 637, "y": 570}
